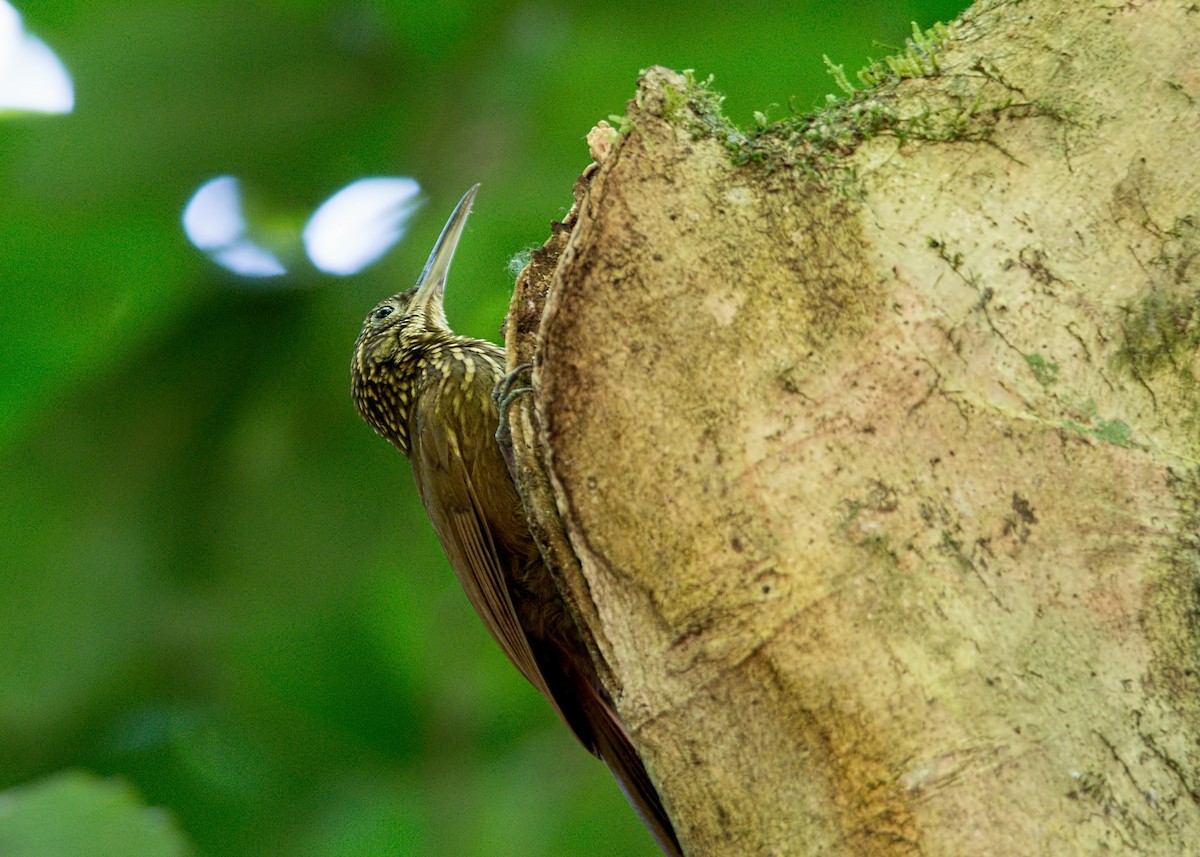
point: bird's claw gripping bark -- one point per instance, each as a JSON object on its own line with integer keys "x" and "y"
{"x": 504, "y": 394}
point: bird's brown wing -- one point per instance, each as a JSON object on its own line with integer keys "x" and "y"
{"x": 444, "y": 483}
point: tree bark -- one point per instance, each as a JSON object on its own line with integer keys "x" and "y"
{"x": 866, "y": 445}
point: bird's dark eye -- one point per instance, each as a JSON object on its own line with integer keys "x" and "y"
{"x": 383, "y": 312}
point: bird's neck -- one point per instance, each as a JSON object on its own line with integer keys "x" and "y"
{"x": 388, "y": 392}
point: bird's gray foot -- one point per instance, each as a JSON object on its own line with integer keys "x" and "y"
{"x": 506, "y": 391}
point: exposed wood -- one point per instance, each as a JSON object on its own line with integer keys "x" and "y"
{"x": 870, "y": 463}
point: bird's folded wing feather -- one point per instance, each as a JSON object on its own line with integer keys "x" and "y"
{"x": 451, "y": 500}
{"x": 444, "y": 483}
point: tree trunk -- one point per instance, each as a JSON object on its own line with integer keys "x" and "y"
{"x": 866, "y": 446}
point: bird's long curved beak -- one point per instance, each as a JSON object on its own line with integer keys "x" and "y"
{"x": 431, "y": 285}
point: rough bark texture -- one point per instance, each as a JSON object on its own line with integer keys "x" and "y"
{"x": 867, "y": 448}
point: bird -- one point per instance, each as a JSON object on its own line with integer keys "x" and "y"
{"x": 430, "y": 393}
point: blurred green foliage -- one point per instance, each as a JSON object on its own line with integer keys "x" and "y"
{"x": 72, "y": 813}
{"x": 216, "y": 585}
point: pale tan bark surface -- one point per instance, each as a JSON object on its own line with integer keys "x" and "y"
{"x": 871, "y": 463}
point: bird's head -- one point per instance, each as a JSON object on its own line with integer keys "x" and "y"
{"x": 398, "y": 330}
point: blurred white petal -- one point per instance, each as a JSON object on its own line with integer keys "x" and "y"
{"x": 359, "y": 223}
{"x": 11, "y": 34}
{"x": 248, "y": 259}
{"x": 213, "y": 216}
{"x": 32, "y": 77}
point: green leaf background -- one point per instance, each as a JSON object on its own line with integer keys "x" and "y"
{"x": 219, "y": 596}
